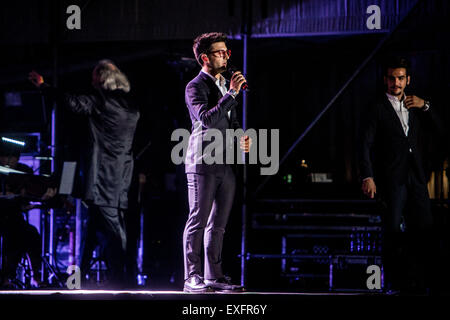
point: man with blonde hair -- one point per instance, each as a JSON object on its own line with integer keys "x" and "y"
{"x": 112, "y": 121}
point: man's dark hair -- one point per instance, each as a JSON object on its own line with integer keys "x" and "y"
{"x": 203, "y": 43}
{"x": 394, "y": 63}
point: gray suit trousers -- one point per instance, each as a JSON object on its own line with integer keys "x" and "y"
{"x": 210, "y": 201}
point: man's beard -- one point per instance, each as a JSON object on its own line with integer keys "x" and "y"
{"x": 218, "y": 69}
{"x": 222, "y": 69}
{"x": 393, "y": 91}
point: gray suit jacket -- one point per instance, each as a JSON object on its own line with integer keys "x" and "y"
{"x": 208, "y": 109}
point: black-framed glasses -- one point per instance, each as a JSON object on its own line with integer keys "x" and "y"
{"x": 221, "y": 52}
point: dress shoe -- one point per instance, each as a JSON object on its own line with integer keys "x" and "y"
{"x": 195, "y": 284}
{"x": 223, "y": 284}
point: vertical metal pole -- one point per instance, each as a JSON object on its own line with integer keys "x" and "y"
{"x": 141, "y": 278}
{"x": 283, "y": 251}
{"x": 78, "y": 226}
{"x": 54, "y": 39}
{"x": 245, "y": 35}
{"x": 43, "y": 241}
{"x": 330, "y": 274}
{"x": 244, "y": 178}
{"x": 71, "y": 248}
{"x": 53, "y": 152}
{"x": 51, "y": 227}
{"x": 140, "y": 253}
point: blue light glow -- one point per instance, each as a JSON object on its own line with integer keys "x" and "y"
{"x": 21, "y": 143}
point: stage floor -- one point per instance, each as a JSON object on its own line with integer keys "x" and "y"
{"x": 167, "y": 295}
{"x": 181, "y": 305}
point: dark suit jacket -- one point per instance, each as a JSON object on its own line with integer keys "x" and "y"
{"x": 112, "y": 122}
{"x": 208, "y": 109}
{"x": 385, "y": 148}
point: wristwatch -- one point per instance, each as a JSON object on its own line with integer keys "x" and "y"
{"x": 232, "y": 93}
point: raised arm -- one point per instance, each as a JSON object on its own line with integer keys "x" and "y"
{"x": 78, "y": 103}
{"x": 197, "y": 101}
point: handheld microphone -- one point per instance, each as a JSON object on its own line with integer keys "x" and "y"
{"x": 232, "y": 69}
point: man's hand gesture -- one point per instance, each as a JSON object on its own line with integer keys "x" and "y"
{"x": 35, "y": 78}
{"x": 369, "y": 188}
{"x": 414, "y": 102}
{"x": 245, "y": 143}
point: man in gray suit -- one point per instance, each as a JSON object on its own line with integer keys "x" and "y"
{"x": 211, "y": 186}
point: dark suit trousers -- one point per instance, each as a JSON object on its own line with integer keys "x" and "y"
{"x": 106, "y": 228}
{"x": 407, "y": 255}
{"x": 210, "y": 201}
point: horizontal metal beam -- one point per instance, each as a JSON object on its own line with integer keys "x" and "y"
{"x": 335, "y": 228}
{"x": 331, "y": 201}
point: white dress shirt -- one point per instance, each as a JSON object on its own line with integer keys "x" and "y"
{"x": 401, "y": 110}
{"x": 220, "y": 83}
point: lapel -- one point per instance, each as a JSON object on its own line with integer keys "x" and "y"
{"x": 217, "y": 95}
{"x": 233, "y": 110}
{"x": 411, "y": 122}
{"x": 212, "y": 85}
{"x": 393, "y": 114}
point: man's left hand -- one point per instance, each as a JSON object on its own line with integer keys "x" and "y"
{"x": 245, "y": 143}
{"x": 414, "y": 102}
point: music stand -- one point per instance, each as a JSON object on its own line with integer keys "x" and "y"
{"x": 67, "y": 178}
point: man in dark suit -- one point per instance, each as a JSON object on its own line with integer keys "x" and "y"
{"x": 391, "y": 165}
{"x": 112, "y": 120}
{"x": 211, "y": 186}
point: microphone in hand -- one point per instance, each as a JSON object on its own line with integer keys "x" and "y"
{"x": 231, "y": 70}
